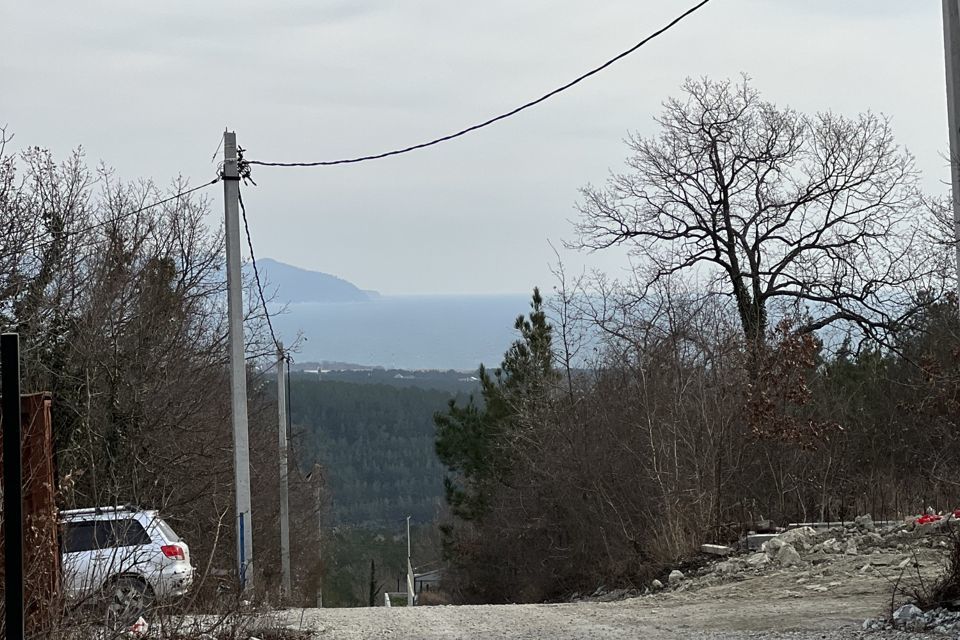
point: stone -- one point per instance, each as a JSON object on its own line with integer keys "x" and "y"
{"x": 787, "y": 556}
{"x": 675, "y": 577}
{"x": 831, "y": 545}
{"x": 758, "y": 559}
{"x": 801, "y": 536}
{"x": 656, "y": 585}
{"x": 908, "y": 616}
{"x": 865, "y": 522}
{"x": 772, "y": 546}
{"x": 851, "y": 549}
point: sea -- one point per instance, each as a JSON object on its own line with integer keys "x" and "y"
{"x": 406, "y": 332}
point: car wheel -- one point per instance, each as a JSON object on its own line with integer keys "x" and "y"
{"x": 126, "y": 599}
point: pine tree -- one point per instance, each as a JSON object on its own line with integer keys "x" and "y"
{"x": 473, "y": 439}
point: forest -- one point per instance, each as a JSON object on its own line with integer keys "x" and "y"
{"x": 376, "y": 445}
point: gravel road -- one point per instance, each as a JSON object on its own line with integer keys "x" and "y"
{"x": 824, "y": 597}
{"x": 761, "y": 607}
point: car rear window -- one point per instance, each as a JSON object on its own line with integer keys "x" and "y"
{"x": 167, "y": 532}
{"x": 127, "y": 533}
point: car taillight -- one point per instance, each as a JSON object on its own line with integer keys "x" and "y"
{"x": 172, "y": 551}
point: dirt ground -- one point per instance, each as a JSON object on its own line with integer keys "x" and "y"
{"x": 826, "y": 596}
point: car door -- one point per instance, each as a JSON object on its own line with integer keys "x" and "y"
{"x": 82, "y": 558}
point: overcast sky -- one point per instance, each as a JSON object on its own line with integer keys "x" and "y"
{"x": 148, "y": 87}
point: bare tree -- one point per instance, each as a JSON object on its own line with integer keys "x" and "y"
{"x": 775, "y": 208}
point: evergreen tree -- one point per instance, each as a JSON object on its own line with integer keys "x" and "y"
{"x": 472, "y": 439}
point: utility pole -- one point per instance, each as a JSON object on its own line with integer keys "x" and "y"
{"x": 315, "y": 475}
{"x": 12, "y": 486}
{"x": 238, "y": 372}
{"x": 410, "y": 594}
{"x": 951, "y": 47}
{"x": 284, "y": 489}
{"x": 319, "y": 547}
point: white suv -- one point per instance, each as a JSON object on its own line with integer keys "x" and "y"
{"x": 123, "y": 557}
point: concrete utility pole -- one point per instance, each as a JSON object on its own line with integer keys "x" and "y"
{"x": 284, "y": 489}
{"x": 238, "y": 373}
{"x": 410, "y": 593}
{"x": 951, "y": 46}
{"x": 319, "y": 544}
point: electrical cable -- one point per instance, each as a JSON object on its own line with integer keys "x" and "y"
{"x": 256, "y": 274}
{"x": 289, "y": 405}
{"x": 503, "y": 116}
{"x": 39, "y": 244}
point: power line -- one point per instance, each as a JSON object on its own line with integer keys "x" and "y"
{"x": 128, "y": 214}
{"x": 491, "y": 121}
{"x": 39, "y": 244}
{"x": 289, "y": 425}
{"x": 256, "y": 272}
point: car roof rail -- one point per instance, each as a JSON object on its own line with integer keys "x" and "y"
{"x": 99, "y": 510}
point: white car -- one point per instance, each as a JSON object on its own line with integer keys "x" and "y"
{"x": 125, "y": 558}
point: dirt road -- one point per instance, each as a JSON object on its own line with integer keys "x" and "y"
{"x": 826, "y": 594}
{"x": 799, "y": 602}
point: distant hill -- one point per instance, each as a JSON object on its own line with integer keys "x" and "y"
{"x": 293, "y": 284}
{"x": 450, "y": 381}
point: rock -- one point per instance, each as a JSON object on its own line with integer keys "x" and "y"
{"x": 727, "y": 566}
{"x": 799, "y": 537}
{"x": 851, "y": 549}
{"x": 865, "y": 523}
{"x": 831, "y": 545}
{"x": 787, "y": 556}
{"x": 656, "y": 585}
{"x": 758, "y": 559}
{"x": 772, "y": 546}
{"x": 675, "y": 577}
{"x": 908, "y": 616}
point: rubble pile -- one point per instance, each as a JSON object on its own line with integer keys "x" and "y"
{"x": 911, "y": 618}
{"x": 808, "y": 560}
{"x": 861, "y": 546}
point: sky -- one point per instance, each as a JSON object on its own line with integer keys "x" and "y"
{"x": 147, "y": 88}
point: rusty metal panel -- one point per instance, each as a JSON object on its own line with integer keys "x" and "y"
{"x": 41, "y": 548}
